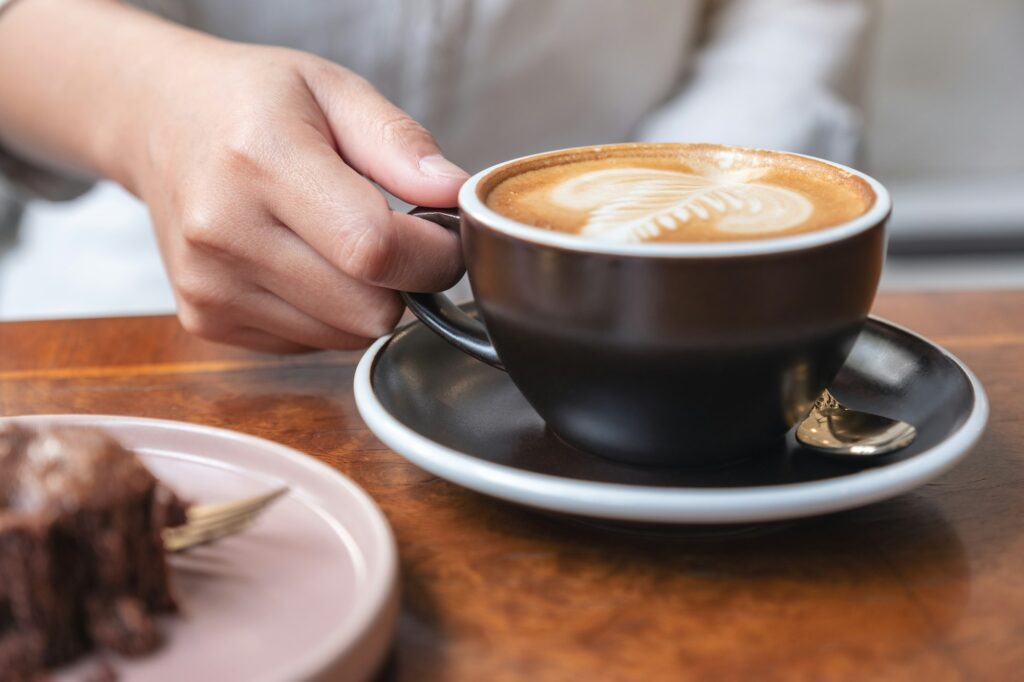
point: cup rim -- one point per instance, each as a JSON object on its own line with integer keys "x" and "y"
{"x": 470, "y": 204}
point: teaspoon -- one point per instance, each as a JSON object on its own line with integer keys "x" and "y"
{"x": 833, "y": 429}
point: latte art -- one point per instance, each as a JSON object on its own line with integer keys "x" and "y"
{"x": 684, "y": 193}
{"x": 639, "y": 204}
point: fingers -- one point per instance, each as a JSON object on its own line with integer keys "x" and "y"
{"x": 267, "y": 312}
{"x": 304, "y": 279}
{"x": 274, "y": 293}
{"x": 348, "y": 222}
{"x": 262, "y": 321}
{"x": 383, "y": 142}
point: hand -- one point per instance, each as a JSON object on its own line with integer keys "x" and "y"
{"x": 256, "y": 164}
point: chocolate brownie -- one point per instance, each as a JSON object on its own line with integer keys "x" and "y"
{"x": 81, "y": 560}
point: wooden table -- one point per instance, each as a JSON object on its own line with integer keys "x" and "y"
{"x": 929, "y": 586}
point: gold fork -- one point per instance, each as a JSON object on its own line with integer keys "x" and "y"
{"x": 210, "y": 522}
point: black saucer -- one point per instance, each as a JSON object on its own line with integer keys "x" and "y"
{"x": 467, "y": 422}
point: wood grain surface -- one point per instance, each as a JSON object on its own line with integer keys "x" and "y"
{"x": 929, "y": 586}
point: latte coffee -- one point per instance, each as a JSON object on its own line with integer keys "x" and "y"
{"x": 676, "y": 193}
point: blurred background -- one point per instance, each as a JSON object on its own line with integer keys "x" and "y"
{"x": 944, "y": 131}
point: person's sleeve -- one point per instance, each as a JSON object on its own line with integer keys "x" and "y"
{"x": 777, "y": 74}
{"x": 24, "y": 180}
{"x": 21, "y": 181}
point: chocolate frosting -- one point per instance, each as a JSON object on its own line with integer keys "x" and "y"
{"x": 62, "y": 469}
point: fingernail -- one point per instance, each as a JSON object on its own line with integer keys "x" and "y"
{"x": 437, "y": 166}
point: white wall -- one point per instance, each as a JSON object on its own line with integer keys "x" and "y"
{"x": 945, "y": 123}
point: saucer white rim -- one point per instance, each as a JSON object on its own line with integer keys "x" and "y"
{"x": 616, "y": 501}
{"x": 381, "y": 594}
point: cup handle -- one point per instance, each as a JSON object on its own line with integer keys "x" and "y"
{"x": 442, "y": 316}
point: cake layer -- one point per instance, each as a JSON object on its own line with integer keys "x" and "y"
{"x": 81, "y": 558}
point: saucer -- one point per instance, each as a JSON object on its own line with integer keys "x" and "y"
{"x": 310, "y": 591}
{"x": 466, "y": 422}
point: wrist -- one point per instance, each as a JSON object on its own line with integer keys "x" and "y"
{"x": 149, "y": 104}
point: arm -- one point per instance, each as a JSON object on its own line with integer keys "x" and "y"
{"x": 72, "y": 74}
{"x": 256, "y": 164}
{"x": 781, "y": 74}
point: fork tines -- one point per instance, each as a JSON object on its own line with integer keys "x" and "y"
{"x": 209, "y": 522}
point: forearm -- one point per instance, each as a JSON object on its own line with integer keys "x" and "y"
{"x": 80, "y": 78}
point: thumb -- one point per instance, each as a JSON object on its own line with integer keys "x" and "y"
{"x": 383, "y": 142}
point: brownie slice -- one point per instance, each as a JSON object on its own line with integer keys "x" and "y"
{"x": 81, "y": 559}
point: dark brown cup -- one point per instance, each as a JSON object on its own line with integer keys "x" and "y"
{"x": 681, "y": 354}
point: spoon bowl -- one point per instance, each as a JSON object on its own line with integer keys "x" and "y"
{"x": 832, "y": 429}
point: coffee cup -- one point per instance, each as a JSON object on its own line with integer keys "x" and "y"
{"x": 665, "y": 304}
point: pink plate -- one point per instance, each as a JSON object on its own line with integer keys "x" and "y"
{"x": 308, "y": 593}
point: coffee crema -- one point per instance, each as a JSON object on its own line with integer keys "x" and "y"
{"x": 676, "y": 193}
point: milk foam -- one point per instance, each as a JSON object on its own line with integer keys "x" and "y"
{"x": 638, "y": 204}
{"x": 675, "y": 193}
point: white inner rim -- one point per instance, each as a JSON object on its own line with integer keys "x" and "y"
{"x": 470, "y": 203}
